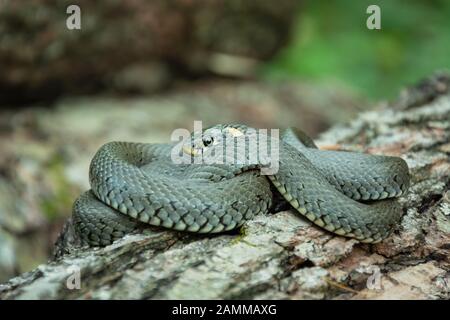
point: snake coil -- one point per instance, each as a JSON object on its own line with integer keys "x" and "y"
{"x": 133, "y": 184}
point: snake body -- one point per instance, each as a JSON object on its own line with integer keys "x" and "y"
{"x": 133, "y": 184}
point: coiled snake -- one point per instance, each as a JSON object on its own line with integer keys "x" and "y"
{"x": 136, "y": 183}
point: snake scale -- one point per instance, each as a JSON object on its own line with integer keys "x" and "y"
{"x": 134, "y": 184}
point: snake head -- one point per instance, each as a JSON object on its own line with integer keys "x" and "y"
{"x": 237, "y": 146}
{"x": 212, "y": 139}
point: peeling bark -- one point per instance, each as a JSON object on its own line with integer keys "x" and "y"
{"x": 283, "y": 256}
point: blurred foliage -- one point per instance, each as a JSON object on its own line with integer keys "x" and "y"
{"x": 331, "y": 42}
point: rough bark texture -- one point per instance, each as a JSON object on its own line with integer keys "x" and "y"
{"x": 282, "y": 255}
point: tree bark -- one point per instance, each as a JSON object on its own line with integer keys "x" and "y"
{"x": 283, "y": 256}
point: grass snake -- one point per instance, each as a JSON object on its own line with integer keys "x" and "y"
{"x": 133, "y": 184}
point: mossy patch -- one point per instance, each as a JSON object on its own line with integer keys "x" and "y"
{"x": 243, "y": 232}
{"x": 60, "y": 198}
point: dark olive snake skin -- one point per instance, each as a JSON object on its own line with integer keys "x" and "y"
{"x": 134, "y": 184}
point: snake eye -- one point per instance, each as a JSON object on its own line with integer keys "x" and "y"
{"x": 207, "y": 141}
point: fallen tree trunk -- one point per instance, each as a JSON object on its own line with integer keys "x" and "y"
{"x": 282, "y": 255}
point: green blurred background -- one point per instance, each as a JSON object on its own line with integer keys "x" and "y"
{"x": 331, "y": 43}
